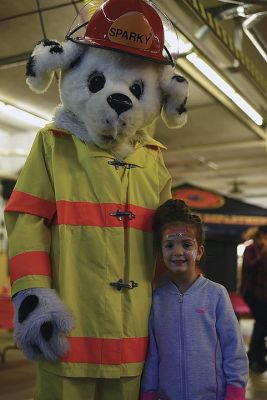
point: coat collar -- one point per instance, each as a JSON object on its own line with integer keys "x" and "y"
{"x": 138, "y": 157}
{"x": 172, "y": 288}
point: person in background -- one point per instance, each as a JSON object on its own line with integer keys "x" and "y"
{"x": 254, "y": 291}
{"x": 196, "y": 351}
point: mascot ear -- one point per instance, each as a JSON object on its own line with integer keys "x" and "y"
{"x": 48, "y": 56}
{"x": 175, "y": 90}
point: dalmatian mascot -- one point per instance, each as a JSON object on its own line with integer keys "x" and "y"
{"x": 79, "y": 219}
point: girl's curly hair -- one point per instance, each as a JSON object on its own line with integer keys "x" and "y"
{"x": 176, "y": 211}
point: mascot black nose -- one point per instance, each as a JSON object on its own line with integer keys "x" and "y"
{"x": 119, "y": 102}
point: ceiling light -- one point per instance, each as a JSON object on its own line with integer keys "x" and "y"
{"x": 227, "y": 89}
{"x": 21, "y": 115}
{"x": 240, "y": 10}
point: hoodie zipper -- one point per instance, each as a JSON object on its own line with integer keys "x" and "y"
{"x": 182, "y": 342}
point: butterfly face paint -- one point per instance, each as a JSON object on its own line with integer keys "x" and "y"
{"x": 179, "y": 249}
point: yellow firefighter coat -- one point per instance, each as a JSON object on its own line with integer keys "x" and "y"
{"x": 80, "y": 222}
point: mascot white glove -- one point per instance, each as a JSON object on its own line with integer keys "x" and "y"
{"x": 41, "y": 323}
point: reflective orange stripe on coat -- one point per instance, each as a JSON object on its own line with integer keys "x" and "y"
{"x": 29, "y": 263}
{"x": 80, "y": 212}
{"x": 27, "y": 203}
{"x": 106, "y": 351}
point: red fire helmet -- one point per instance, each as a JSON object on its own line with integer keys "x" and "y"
{"x": 136, "y": 27}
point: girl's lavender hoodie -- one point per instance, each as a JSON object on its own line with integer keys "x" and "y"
{"x": 196, "y": 350}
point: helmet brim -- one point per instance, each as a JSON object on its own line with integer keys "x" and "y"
{"x": 157, "y": 58}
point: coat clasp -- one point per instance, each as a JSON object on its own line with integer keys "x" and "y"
{"x": 120, "y": 285}
{"x": 117, "y": 164}
{"x": 119, "y": 214}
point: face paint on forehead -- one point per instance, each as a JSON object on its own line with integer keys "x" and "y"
{"x": 181, "y": 233}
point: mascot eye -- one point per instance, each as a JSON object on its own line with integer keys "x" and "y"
{"x": 96, "y": 81}
{"x": 137, "y": 89}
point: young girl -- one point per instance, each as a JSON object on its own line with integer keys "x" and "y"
{"x": 196, "y": 351}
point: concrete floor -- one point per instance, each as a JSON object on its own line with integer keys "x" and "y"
{"x": 17, "y": 375}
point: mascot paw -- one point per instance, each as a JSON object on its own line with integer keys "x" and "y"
{"x": 41, "y": 323}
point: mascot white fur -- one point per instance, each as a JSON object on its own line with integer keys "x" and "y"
{"x": 79, "y": 218}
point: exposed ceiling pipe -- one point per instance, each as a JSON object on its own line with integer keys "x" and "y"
{"x": 217, "y": 147}
{"x": 230, "y": 12}
{"x": 14, "y": 61}
{"x": 241, "y": 2}
{"x": 252, "y": 12}
{"x": 248, "y": 25}
{"x": 222, "y": 172}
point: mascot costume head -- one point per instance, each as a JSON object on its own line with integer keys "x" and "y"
{"x": 80, "y": 217}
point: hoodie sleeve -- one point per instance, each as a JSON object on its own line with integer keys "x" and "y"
{"x": 235, "y": 361}
{"x": 28, "y": 216}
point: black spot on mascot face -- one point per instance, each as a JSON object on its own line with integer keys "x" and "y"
{"x": 96, "y": 81}
{"x": 137, "y": 88}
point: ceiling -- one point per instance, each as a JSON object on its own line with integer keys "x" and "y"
{"x": 220, "y": 148}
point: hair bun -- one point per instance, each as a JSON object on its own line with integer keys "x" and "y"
{"x": 176, "y": 211}
{"x": 181, "y": 205}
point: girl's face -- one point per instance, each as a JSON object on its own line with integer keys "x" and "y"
{"x": 180, "y": 249}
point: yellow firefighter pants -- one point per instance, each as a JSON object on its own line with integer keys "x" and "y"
{"x": 55, "y": 387}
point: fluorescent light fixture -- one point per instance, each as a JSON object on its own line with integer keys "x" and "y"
{"x": 227, "y": 89}
{"x": 14, "y": 153}
{"x": 21, "y": 115}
